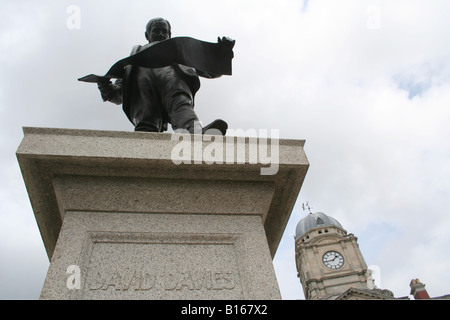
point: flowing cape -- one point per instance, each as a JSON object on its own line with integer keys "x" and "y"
{"x": 210, "y": 58}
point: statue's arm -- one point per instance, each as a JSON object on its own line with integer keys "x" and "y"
{"x": 111, "y": 92}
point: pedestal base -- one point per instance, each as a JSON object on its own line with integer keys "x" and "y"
{"x": 121, "y": 220}
{"x": 161, "y": 256}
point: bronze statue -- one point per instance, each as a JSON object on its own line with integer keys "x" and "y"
{"x": 156, "y": 89}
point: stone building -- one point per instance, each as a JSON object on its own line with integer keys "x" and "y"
{"x": 330, "y": 264}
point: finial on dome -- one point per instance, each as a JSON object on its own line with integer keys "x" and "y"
{"x": 306, "y": 206}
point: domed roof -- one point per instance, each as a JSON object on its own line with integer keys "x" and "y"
{"x": 315, "y": 220}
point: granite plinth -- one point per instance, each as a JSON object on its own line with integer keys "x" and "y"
{"x": 135, "y": 224}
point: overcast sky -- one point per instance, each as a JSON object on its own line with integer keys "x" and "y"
{"x": 365, "y": 82}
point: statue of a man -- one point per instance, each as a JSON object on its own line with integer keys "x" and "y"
{"x": 154, "y": 97}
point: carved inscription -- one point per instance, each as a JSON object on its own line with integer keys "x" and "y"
{"x": 138, "y": 280}
{"x": 161, "y": 266}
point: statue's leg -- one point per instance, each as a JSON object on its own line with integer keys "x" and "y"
{"x": 177, "y": 99}
{"x": 145, "y": 106}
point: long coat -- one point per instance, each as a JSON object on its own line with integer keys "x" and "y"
{"x": 188, "y": 74}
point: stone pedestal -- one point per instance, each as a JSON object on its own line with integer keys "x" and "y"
{"x": 130, "y": 215}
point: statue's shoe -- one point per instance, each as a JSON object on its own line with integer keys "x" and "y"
{"x": 217, "y": 127}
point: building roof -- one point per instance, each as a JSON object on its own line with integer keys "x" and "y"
{"x": 315, "y": 220}
{"x": 366, "y": 294}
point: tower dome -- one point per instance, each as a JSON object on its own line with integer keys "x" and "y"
{"x": 315, "y": 220}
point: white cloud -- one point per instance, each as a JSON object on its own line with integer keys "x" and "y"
{"x": 21, "y": 26}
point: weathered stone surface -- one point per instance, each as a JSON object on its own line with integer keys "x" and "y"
{"x": 139, "y": 226}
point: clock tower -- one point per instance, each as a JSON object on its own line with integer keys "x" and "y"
{"x": 329, "y": 262}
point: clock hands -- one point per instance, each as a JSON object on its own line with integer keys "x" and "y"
{"x": 329, "y": 260}
{"x": 333, "y": 260}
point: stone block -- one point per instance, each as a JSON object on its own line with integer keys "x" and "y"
{"x": 120, "y": 219}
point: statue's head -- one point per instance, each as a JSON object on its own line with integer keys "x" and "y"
{"x": 158, "y": 29}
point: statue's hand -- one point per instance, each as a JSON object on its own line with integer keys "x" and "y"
{"x": 226, "y": 42}
{"x": 105, "y": 87}
{"x": 103, "y": 83}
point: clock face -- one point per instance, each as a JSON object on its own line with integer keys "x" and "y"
{"x": 333, "y": 260}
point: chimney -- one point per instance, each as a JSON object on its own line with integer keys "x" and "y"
{"x": 418, "y": 290}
